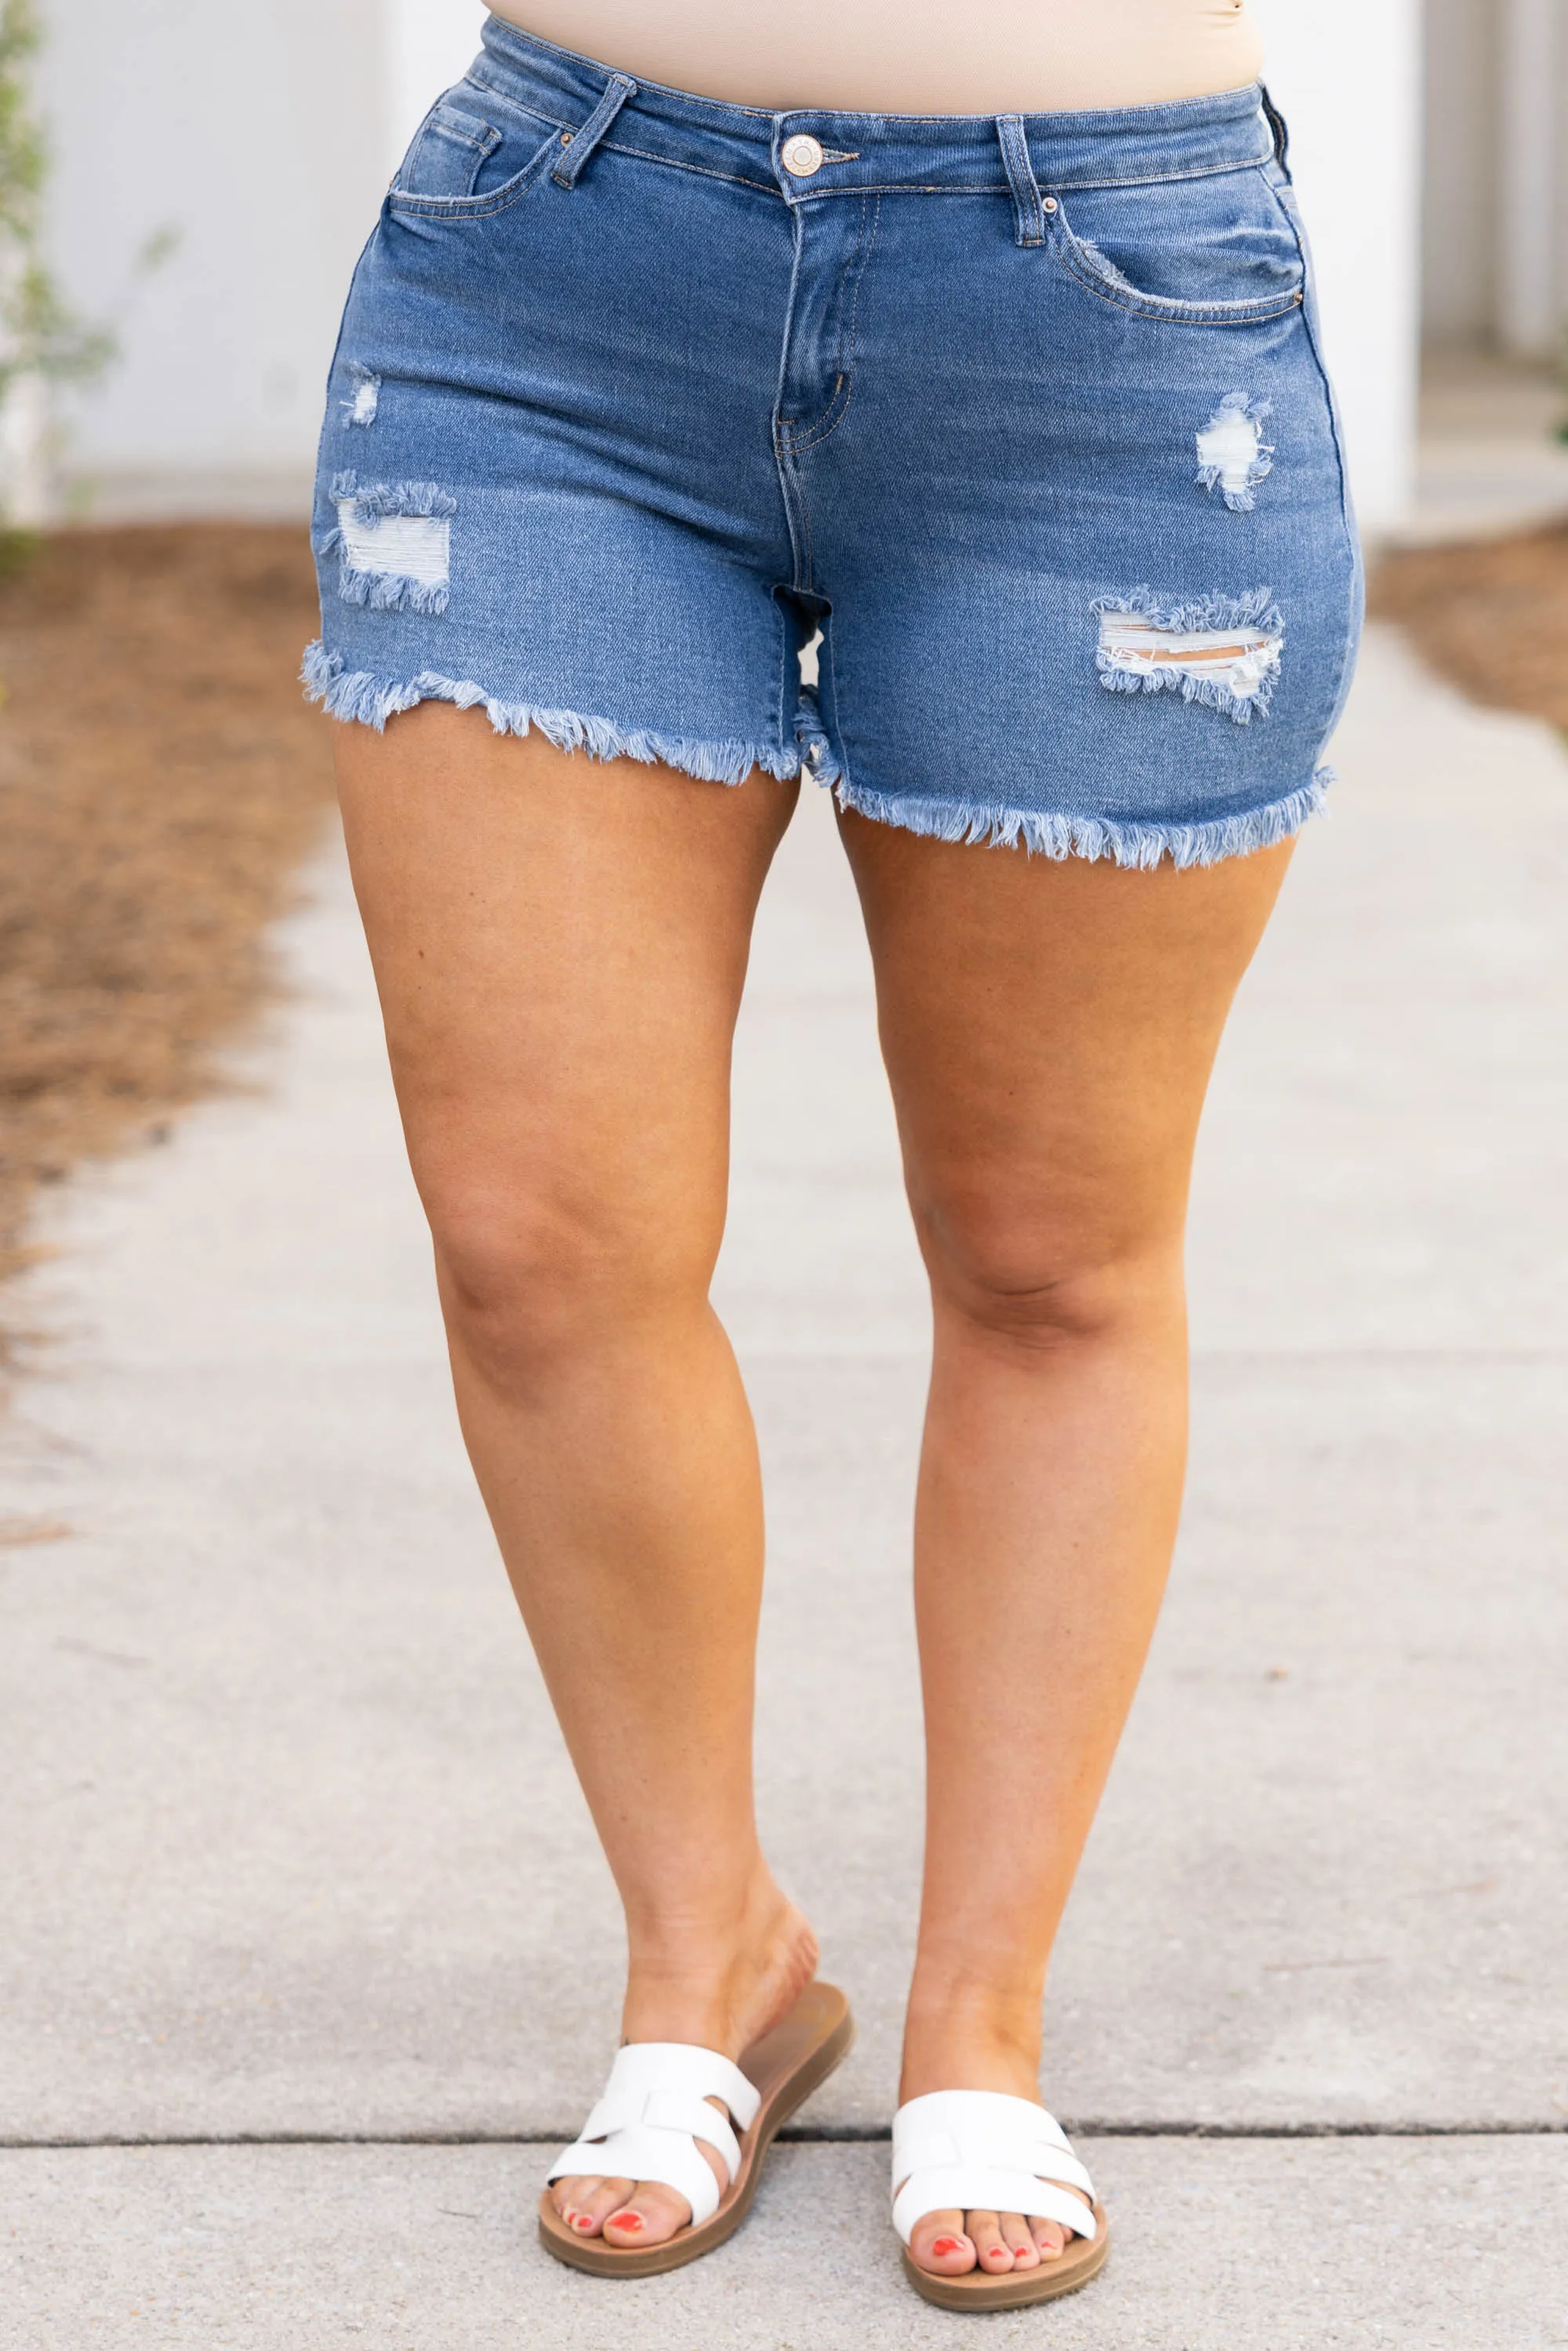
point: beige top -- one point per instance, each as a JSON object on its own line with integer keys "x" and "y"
{"x": 913, "y": 56}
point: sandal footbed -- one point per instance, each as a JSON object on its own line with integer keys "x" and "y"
{"x": 1083, "y": 2259}
{"x": 786, "y": 2064}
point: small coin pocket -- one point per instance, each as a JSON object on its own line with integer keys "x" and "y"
{"x": 449, "y": 151}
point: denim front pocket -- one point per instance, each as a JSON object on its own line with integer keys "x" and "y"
{"x": 465, "y": 165}
{"x": 1214, "y": 250}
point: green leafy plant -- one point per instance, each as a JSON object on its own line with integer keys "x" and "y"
{"x": 40, "y": 333}
{"x": 43, "y": 340}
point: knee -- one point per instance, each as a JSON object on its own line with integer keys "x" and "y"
{"x": 1047, "y": 1280}
{"x": 530, "y": 1279}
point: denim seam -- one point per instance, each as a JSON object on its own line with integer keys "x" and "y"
{"x": 1348, "y": 650}
{"x": 796, "y": 520}
{"x": 1182, "y": 314}
{"x": 1003, "y": 188}
{"x": 837, "y": 409}
{"x": 842, "y": 782}
{"x": 805, "y": 513}
{"x": 832, "y": 417}
{"x": 886, "y": 188}
{"x": 620, "y": 147}
{"x": 1170, "y": 309}
{"x": 783, "y": 663}
{"x": 486, "y": 207}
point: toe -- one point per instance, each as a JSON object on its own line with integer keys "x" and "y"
{"x": 990, "y": 2247}
{"x": 649, "y": 2216}
{"x": 938, "y": 2243}
{"x": 568, "y": 2195}
{"x": 1019, "y": 2239}
{"x": 591, "y": 2202}
{"x": 1052, "y": 2238}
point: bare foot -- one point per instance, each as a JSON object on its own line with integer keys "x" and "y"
{"x": 724, "y": 2004}
{"x": 949, "y": 2244}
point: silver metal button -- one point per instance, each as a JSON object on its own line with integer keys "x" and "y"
{"x": 1049, "y": 204}
{"x": 802, "y": 155}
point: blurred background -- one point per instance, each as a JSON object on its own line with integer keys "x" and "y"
{"x": 1428, "y": 143}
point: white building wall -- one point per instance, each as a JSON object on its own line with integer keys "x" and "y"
{"x": 264, "y": 134}
{"x": 1459, "y": 181}
{"x": 1495, "y": 188}
{"x": 1346, "y": 75}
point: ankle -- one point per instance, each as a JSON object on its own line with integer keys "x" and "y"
{"x": 971, "y": 2037}
{"x": 718, "y": 1976}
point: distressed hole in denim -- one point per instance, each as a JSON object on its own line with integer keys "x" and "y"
{"x": 360, "y": 408}
{"x": 1232, "y": 456}
{"x": 415, "y": 547}
{"x": 394, "y": 542}
{"x": 1221, "y": 651}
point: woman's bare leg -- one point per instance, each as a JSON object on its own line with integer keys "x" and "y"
{"x": 1049, "y": 1030}
{"x": 560, "y": 947}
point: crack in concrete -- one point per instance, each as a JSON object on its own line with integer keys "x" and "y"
{"x": 828, "y": 2135}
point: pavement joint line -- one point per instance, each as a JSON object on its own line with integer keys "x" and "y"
{"x": 831, "y": 2135}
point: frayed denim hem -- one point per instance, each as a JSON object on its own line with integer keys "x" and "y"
{"x": 358, "y": 694}
{"x": 1126, "y": 841}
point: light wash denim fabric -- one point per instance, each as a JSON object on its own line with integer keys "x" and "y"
{"x": 635, "y": 390}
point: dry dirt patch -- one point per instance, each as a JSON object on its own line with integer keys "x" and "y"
{"x": 161, "y": 780}
{"x": 1493, "y": 616}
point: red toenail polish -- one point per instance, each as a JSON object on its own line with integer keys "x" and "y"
{"x": 581, "y": 2220}
{"x": 628, "y": 2219}
{"x": 946, "y": 2245}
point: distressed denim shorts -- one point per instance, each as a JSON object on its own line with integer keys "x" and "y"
{"x": 636, "y": 391}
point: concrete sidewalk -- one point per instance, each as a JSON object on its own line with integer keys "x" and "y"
{"x": 292, "y": 1852}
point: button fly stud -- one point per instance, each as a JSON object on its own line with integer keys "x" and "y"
{"x": 802, "y": 155}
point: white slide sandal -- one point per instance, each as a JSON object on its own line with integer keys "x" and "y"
{"x": 981, "y": 2151}
{"x": 654, "y": 2109}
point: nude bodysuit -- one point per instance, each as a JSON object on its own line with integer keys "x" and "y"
{"x": 913, "y": 56}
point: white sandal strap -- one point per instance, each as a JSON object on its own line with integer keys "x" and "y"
{"x": 653, "y": 2110}
{"x": 637, "y": 2153}
{"x": 979, "y": 2150}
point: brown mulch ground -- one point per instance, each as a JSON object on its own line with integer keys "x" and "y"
{"x": 1493, "y": 616}
{"x": 160, "y": 779}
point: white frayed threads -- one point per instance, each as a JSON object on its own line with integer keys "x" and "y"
{"x": 394, "y": 543}
{"x": 360, "y": 408}
{"x": 1131, "y": 842}
{"x": 1221, "y": 651}
{"x": 415, "y": 547}
{"x": 1232, "y": 456}
{"x": 360, "y": 695}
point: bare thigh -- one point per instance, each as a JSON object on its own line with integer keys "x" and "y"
{"x": 1049, "y": 1030}
{"x": 560, "y": 946}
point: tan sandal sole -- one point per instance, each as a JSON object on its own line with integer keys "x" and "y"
{"x": 1085, "y": 2259}
{"x": 786, "y": 2064}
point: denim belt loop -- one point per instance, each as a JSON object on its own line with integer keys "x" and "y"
{"x": 578, "y": 145}
{"x": 1029, "y": 213}
{"x": 1278, "y": 127}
